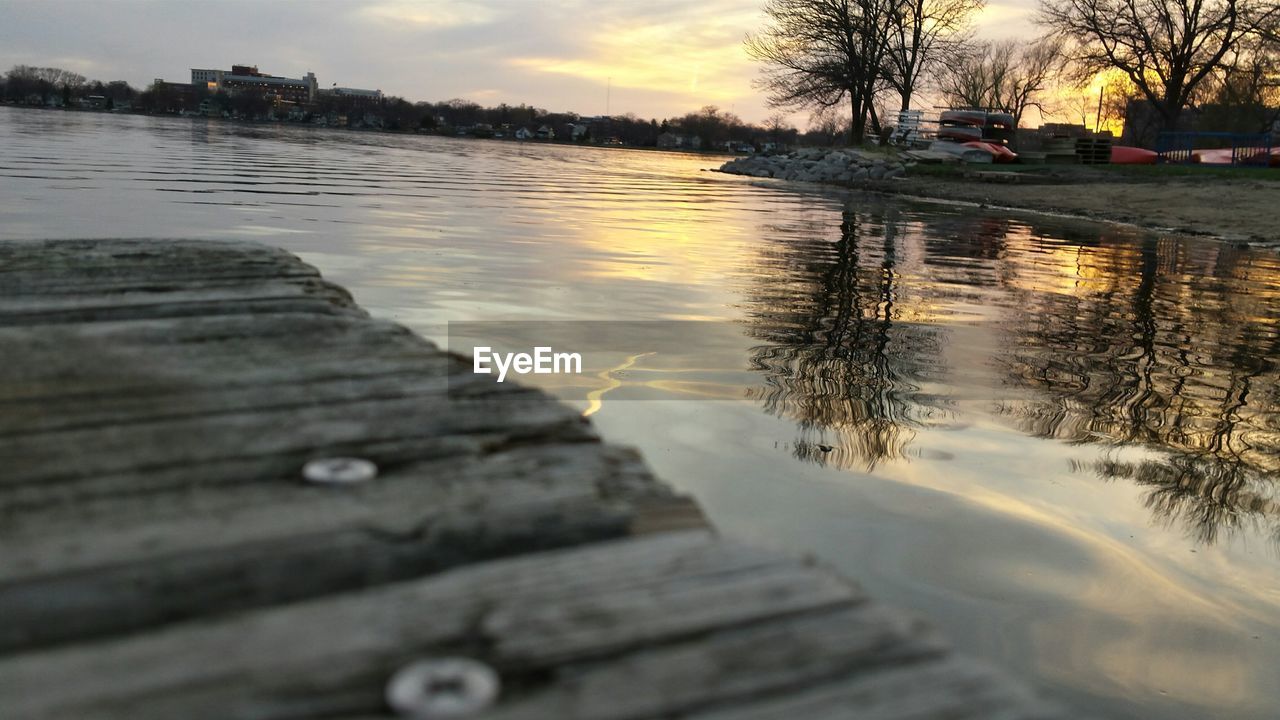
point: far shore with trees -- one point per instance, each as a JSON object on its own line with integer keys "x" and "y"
{"x": 1154, "y": 65}
{"x": 867, "y": 59}
{"x": 715, "y": 130}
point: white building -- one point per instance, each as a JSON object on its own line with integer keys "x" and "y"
{"x": 357, "y": 93}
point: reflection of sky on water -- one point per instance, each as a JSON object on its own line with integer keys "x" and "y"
{"x": 1058, "y": 441}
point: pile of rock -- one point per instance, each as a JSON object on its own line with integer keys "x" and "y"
{"x": 819, "y": 165}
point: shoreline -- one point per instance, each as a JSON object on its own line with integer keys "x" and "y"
{"x": 1232, "y": 205}
{"x": 1231, "y": 210}
{"x": 1075, "y": 216}
{"x": 381, "y": 131}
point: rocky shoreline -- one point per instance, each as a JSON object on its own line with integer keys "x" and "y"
{"x": 819, "y": 165}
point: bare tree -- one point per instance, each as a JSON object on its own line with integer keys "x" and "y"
{"x": 1166, "y": 48}
{"x": 924, "y": 35}
{"x": 1007, "y": 75}
{"x": 710, "y": 123}
{"x": 778, "y": 128}
{"x": 818, "y": 54}
{"x": 43, "y": 81}
{"x": 1243, "y": 95}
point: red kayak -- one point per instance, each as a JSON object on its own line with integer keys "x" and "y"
{"x": 1125, "y": 155}
{"x": 999, "y": 153}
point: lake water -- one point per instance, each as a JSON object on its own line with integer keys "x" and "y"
{"x": 1060, "y": 441}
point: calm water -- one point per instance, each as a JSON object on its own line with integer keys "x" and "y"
{"x": 1060, "y": 441}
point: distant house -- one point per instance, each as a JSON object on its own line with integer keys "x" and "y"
{"x": 209, "y": 107}
{"x": 546, "y": 133}
{"x": 675, "y": 141}
{"x": 566, "y": 131}
{"x": 523, "y": 134}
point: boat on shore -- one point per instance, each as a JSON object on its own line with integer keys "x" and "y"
{"x": 1125, "y": 155}
{"x": 984, "y": 131}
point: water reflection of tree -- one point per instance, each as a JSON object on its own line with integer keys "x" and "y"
{"x": 1162, "y": 344}
{"x": 1107, "y": 337}
{"x": 841, "y": 357}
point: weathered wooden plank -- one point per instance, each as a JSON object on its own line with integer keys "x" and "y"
{"x": 307, "y": 295}
{"x": 45, "y": 362}
{"x": 94, "y": 280}
{"x": 112, "y": 373}
{"x": 707, "y": 632}
{"x": 45, "y": 262}
{"x": 104, "y": 456}
{"x": 254, "y": 664}
{"x": 124, "y": 566}
{"x": 45, "y": 415}
{"x": 951, "y": 688}
{"x": 115, "y": 529}
{"x": 734, "y": 664}
{"x": 153, "y": 463}
{"x": 608, "y": 622}
{"x": 441, "y": 610}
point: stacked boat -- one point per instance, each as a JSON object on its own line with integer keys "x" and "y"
{"x": 976, "y": 135}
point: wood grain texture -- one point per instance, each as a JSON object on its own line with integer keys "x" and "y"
{"x": 158, "y": 400}
{"x": 161, "y": 558}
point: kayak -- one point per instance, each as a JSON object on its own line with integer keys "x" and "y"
{"x": 966, "y": 154}
{"x": 973, "y": 118}
{"x": 999, "y": 153}
{"x": 1125, "y": 155}
{"x": 1212, "y": 157}
{"x": 976, "y": 118}
{"x": 960, "y": 133}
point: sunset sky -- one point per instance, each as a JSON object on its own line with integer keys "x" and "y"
{"x": 665, "y": 57}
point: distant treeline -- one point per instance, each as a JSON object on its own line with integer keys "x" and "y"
{"x": 712, "y": 127}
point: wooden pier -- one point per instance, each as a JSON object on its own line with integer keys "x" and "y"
{"x": 162, "y": 557}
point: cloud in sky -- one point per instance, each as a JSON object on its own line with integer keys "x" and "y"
{"x": 661, "y": 57}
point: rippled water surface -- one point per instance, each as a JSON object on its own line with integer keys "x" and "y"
{"x": 1059, "y": 441}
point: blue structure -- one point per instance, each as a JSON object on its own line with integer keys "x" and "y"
{"x": 1246, "y": 149}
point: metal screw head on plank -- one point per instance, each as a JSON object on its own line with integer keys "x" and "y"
{"x": 339, "y": 471}
{"x": 442, "y": 688}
